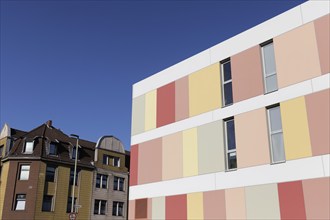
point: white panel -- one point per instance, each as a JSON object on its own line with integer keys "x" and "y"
{"x": 305, "y": 168}
{"x": 284, "y": 94}
{"x": 172, "y": 73}
{"x": 326, "y": 164}
{"x": 173, "y": 187}
{"x": 256, "y": 35}
{"x": 321, "y": 83}
{"x": 314, "y": 9}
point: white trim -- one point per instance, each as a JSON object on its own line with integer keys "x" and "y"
{"x": 293, "y": 18}
{"x": 300, "y": 89}
{"x": 305, "y": 168}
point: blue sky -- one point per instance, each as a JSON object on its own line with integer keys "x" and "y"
{"x": 75, "y": 62}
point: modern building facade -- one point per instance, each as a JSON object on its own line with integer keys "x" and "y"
{"x": 240, "y": 130}
{"x": 37, "y": 173}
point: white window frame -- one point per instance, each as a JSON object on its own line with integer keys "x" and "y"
{"x": 102, "y": 176}
{"x": 28, "y": 145}
{"x": 21, "y": 201}
{"x": 99, "y": 206}
{"x": 24, "y": 169}
{"x": 223, "y": 82}
{"x": 270, "y": 132}
{"x": 226, "y": 145}
{"x": 113, "y": 161}
{"x": 264, "y": 68}
{"x": 117, "y": 208}
{"x": 118, "y": 183}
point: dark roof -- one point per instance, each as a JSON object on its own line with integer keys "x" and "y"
{"x": 17, "y": 133}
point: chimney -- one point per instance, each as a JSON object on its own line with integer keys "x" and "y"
{"x": 49, "y": 123}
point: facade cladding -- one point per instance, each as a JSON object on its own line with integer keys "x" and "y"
{"x": 239, "y": 131}
{"x": 37, "y": 170}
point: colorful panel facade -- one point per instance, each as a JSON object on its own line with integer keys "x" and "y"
{"x": 182, "y": 160}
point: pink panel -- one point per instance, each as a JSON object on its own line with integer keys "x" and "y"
{"x": 150, "y": 161}
{"x": 181, "y": 99}
{"x": 176, "y": 207}
{"x": 247, "y": 74}
{"x": 322, "y": 32}
{"x": 214, "y": 204}
{"x": 235, "y": 203}
{"x": 291, "y": 199}
{"x": 318, "y": 113}
{"x": 134, "y": 166}
{"x": 166, "y": 104}
{"x": 316, "y": 194}
{"x": 131, "y": 209}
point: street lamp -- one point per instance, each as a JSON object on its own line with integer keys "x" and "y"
{"x": 75, "y": 170}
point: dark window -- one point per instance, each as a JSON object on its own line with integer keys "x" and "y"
{"x": 116, "y": 162}
{"x": 101, "y": 181}
{"x": 73, "y": 156}
{"x": 230, "y": 144}
{"x": 117, "y": 208}
{"x": 227, "y": 90}
{"x": 100, "y": 207}
{"x": 47, "y": 203}
{"x": 53, "y": 149}
{"x": 50, "y": 173}
{"x": 1, "y": 150}
{"x": 72, "y": 175}
{"x": 106, "y": 159}
{"x": 111, "y": 160}
{"x": 118, "y": 183}
{"x": 68, "y": 207}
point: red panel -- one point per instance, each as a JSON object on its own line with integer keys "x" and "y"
{"x": 176, "y": 207}
{"x": 291, "y": 199}
{"x": 166, "y": 104}
{"x": 134, "y": 166}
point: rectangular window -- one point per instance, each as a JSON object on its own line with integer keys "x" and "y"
{"x": 230, "y": 144}
{"x": 100, "y": 207}
{"x": 24, "y": 172}
{"x": 118, "y": 183}
{"x": 117, "y": 208}
{"x": 227, "y": 89}
{"x": 28, "y": 148}
{"x": 72, "y": 175}
{"x": 114, "y": 161}
{"x": 276, "y": 134}
{"x": 47, "y": 203}
{"x": 106, "y": 159}
{"x": 53, "y": 149}
{"x": 68, "y": 206}
{"x": 50, "y": 173}
{"x": 20, "y": 202}
{"x": 73, "y": 156}
{"x": 101, "y": 181}
{"x": 269, "y": 67}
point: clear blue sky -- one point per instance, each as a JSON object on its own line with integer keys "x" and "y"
{"x": 75, "y": 61}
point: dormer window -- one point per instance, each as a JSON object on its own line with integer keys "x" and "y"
{"x": 73, "y": 156}
{"x": 28, "y": 148}
{"x": 53, "y": 149}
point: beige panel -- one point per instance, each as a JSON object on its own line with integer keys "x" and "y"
{"x": 322, "y": 31}
{"x": 131, "y": 210}
{"x": 210, "y": 148}
{"x": 181, "y": 98}
{"x": 172, "y": 156}
{"x": 3, "y": 185}
{"x": 262, "y": 202}
{"x": 190, "y": 152}
{"x": 195, "y": 206}
{"x": 235, "y": 203}
{"x": 296, "y": 56}
{"x": 150, "y": 110}
{"x": 204, "y": 90}
{"x": 295, "y": 129}
{"x": 158, "y": 208}
{"x": 138, "y": 111}
{"x": 252, "y": 143}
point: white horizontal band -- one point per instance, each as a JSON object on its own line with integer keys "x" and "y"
{"x": 305, "y": 168}
{"x": 302, "y": 14}
{"x": 300, "y": 89}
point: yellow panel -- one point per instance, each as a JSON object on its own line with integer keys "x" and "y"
{"x": 295, "y": 129}
{"x": 204, "y": 90}
{"x": 3, "y": 185}
{"x": 190, "y": 155}
{"x": 150, "y": 110}
{"x": 195, "y": 206}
